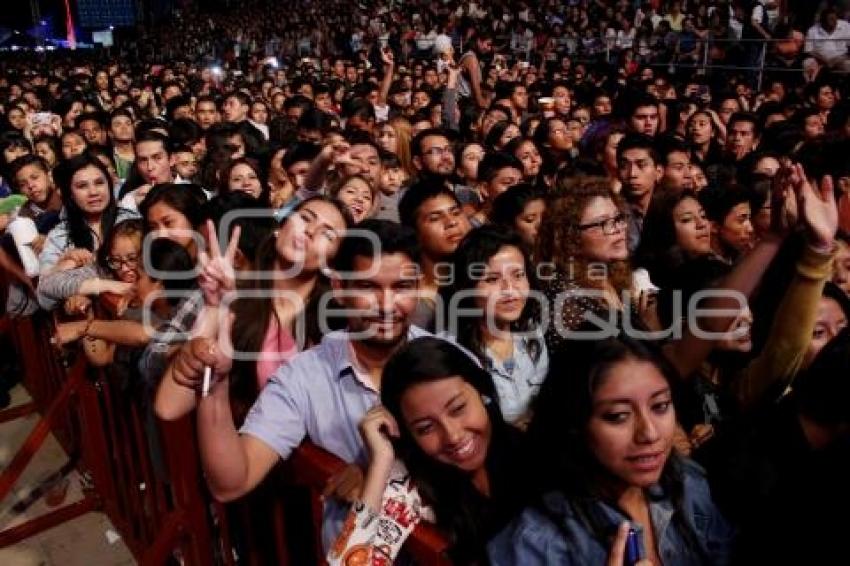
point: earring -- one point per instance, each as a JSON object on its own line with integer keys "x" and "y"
{"x": 486, "y": 399}
{"x": 276, "y": 233}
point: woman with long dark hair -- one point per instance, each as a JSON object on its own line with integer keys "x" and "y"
{"x": 602, "y": 444}
{"x": 441, "y": 417}
{"x": 244, "y": 175}
{"x": 676, "y": 229}
{"x": 90, "y": 213}
{"x": 266, "y": 318}
{"x": 504, "y": 334}
{"x": 174, "y": 211}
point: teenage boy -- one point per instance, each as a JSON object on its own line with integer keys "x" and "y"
{"x": 436, "y": 215}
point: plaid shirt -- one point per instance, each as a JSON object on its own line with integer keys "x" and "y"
{"x": 176, "y": 331}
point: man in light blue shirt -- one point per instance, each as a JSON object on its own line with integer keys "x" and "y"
{"x": 323, "y": 392}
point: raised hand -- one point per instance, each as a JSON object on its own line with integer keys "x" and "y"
{"x": 218, "y": 275}
{"x": 340, "y": 153}
{"x": 454, "y": 72}
{"x": 817, "y": 206}
{"x": 783, "y": 207}
{"x": 387, "y": 57}
{"x": 376, "y": 428}
{"x": 140, "y": 193}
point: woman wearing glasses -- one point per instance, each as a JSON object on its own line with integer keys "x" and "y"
{"x": 116, "y": 271}
{"x": 107, "y": 340}
{"x": 583, "y": 237}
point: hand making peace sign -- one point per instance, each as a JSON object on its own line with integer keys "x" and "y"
{"x": 218, "y": 276}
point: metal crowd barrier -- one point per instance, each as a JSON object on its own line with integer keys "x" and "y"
{"x": 145, "y": 474}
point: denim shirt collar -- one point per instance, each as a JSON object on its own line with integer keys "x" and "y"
{"x": 660, "y": 511}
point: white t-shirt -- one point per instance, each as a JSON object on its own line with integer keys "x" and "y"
{"x": 828, "y": 46}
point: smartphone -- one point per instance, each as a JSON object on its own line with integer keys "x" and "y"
{"x": 41, "y": 118}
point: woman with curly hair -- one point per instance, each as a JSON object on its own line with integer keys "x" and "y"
{"x": 583, "y": 236}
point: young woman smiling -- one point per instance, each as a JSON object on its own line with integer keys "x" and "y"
{"x": 441, "y": 417}
{"x": 90, "y": 213}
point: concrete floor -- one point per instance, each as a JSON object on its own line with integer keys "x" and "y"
{"x": 89, "y": 540}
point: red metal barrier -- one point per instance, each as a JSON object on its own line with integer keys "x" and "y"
{"x": 312, "y": 467}
{"x": 163, "y": 512}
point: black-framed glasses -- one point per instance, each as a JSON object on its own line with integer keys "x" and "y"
{"x": 609, "y": 225}
{"x": 115, "y": 262}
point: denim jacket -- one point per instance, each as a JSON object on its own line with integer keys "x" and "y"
{"x": 554, "y": 535}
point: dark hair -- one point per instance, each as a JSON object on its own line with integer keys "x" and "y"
{"x": 633, "y": 140}
{"x": 219, "y": 150}
{"x": 255, "y": 228}
{"x": 184, "y": 131}
{"x": 689, "y": 277}
{"x": 314, "y": 119}
{"x": 415, "y": 197}
{"x": 357, "y": 137}
{"x": 558, "y": 431}
{"x": 185, "y": 198}
{"x": 638, "y": 100}
{"x": 391, "y": 237}
{"x": 746, "y": 117}
{"x": 298, "y": 101}
{"x": 224, "y": 178}
{"x": 300, "y": 151}
{"x": 167, "y": 256}
{"x": 510, "y": 204}
{"x": 821, "y": 392}
{"x": 416, "y": 142}
{"x": 666, "y": 145}
{"x": 118, "y": 112}
{"x": 495, "y": 161}
{"x": 719, "y": 200}
{"x": 477, "y": 248}
{"x": 458, "y": 505}
{"x": 253, "y": 314}
{"x": 153, "y": 136}
{"x": 243, "y": 98}
{"x": 359, "y": 108}
{"x": 100, "y": 117}
{"x": 50, "y": 141}
{"x": 658, "y": 251}
{"x": 23, "y": 161}
{"x": 495, "y": 135}
{"x": 176, "y": 102}
{"x": 79, "y": 232}
{"x": 8, "y": 140}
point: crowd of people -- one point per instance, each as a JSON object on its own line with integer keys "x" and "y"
{"x": 569, "y": 280}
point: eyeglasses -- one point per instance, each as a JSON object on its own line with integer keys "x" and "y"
{"x": 609, "y": 225}
{"x": 438, "y": 151}
{"x": 115, "y": 263}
